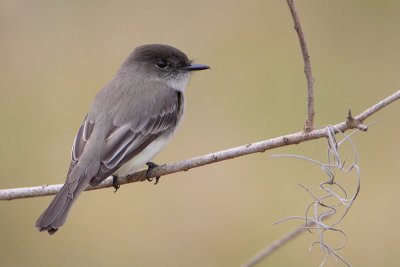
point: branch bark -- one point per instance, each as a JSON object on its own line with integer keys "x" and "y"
{"x": 307, "y": 67}
{"x": 185, "y": 165}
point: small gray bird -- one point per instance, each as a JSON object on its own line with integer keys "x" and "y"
{"x": 130, "y": 120}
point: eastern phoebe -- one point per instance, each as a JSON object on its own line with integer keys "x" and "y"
{"x": 130, "y": 120}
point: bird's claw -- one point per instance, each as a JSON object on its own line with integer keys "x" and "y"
{"x": 151, "y": 165}
{"x": 115, "y": 183}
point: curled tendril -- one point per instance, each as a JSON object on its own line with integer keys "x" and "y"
{"x": 331, "y": 191}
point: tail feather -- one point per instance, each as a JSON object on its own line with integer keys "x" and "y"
{"x": 56, "y": 214}
{"x": 50, "y": 220}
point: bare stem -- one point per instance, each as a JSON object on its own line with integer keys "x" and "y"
{"x": 280, "y": 242}
{"x": 185, "y": 165}
{"x": 307, "y": 67}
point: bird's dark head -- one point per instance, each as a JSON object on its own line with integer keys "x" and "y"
{"x": 165, "y": 57}
{"x": 162, "y": 62}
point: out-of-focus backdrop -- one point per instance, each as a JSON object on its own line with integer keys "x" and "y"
{"x": 55, "y": 56}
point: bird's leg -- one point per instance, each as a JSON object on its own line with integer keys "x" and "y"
{"x": 115, "y": 183}
{"x": 151, "y": 165}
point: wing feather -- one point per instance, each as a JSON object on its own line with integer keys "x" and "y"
{"x": 81, "y": 139}
{"x": 128, "y": 138}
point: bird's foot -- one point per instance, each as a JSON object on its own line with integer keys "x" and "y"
{"x": 115, "y": 183}
{"x": 151, "y": 165}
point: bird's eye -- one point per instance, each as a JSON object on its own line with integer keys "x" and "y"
{"x": 162, "y": 64}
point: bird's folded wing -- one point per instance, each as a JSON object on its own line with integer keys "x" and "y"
{"x": 125, "y": 140}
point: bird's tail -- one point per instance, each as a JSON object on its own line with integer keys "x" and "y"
{"x": 56, "y": 214}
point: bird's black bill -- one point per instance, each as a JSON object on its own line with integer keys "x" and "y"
{"x": 193, "y": 67}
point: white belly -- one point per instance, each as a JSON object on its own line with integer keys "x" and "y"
{"x": 143, "y": 157}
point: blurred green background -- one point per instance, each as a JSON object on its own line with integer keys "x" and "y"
{"x": 55, "y": 56}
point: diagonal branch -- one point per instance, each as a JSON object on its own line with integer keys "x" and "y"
{"x": 185, "y": 165}
{"x": 265, "y": 252}
{"x": 307, "y": 67}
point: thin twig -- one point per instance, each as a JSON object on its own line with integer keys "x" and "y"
{"x": 307, "y": 67}
{"x": 280, "y": 242}
{"x": 185, "y": 165}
